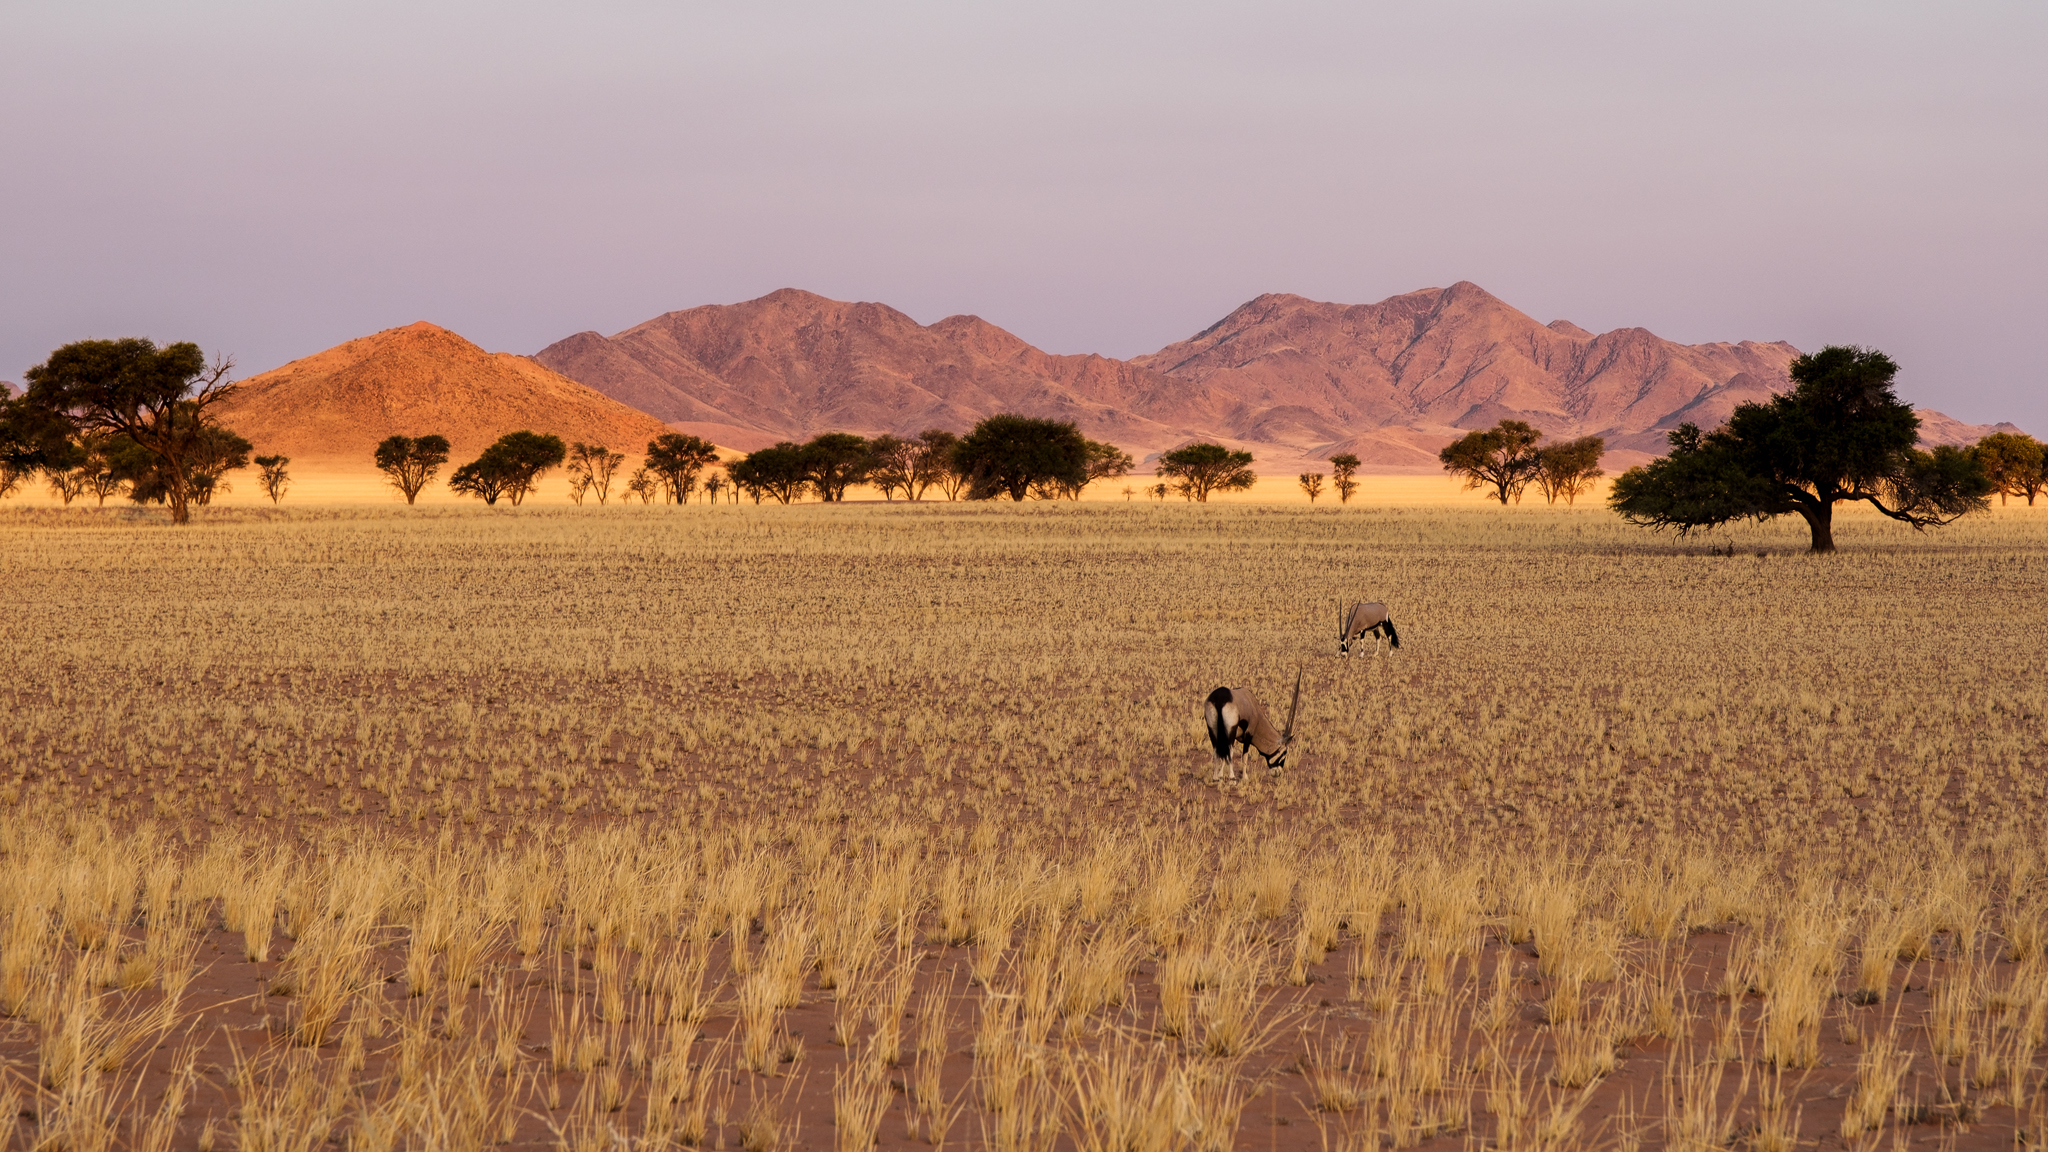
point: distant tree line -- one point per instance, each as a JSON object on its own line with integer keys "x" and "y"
{"x": 1343, "y": 468}
{"x": 1021, "y": 457}
{"x": 1016, "y": 456}
{"x": 1508, "y": 457}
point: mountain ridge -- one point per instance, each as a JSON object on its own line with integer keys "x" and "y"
{"x": 1293, "y": 379}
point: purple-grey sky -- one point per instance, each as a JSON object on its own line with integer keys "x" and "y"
{"x": 270, "y": 179}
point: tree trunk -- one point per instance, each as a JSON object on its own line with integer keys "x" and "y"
{"x": 1820, "y": 519}
{"x": 181, "y": 500}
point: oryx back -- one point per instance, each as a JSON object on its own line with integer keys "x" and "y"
{"x": 1258, "y": 727}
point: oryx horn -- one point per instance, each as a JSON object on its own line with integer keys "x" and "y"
{"x": 1287, "y": 734}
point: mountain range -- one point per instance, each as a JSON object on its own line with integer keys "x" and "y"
{"x": 1291, "y": 379}
{"x": 1295, "y": 381}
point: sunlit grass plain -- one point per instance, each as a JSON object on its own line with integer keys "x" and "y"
{"x": 775, "y": 827}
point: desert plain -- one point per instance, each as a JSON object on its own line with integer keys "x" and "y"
{"x": 342, "y": 822}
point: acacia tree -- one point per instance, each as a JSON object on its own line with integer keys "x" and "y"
{"x": 937, "y": 463}
{"x": 1502, "y": 458}
{"x": 273, "y": 478}
{"x": 510, "y": 467}
{"x": 82, "y": 465}
{"x": 677, "y": 459}
{"x": 219, "y": 452}
{"x": 69, "y": 471}
{"x": 161, "y": 399}
{"x": 643, "y": 484}
{"x": 1840, "y": 434}
{"x": 2014, "y": 462}
{"x": 891, "y": 462}
{"x": 31, "y": 441}
{"x": 528, "y": 456}
{"x": 1105, "y": 462}
{"x": 1201, "y": 468}
{"x": 215, "y": 452}
{"x": 591, "y": 468}
{"x": 410, "y": 462}
{"x": 777, "y": 470}
{"x": 1312, "y": 483}
{"x": 834, "y": 462}
{"x": 1006, "y": 454}
{"x": 1342, "y": 466}
{"x": 485, "y": 477}
{"x": 1569, "y": 467}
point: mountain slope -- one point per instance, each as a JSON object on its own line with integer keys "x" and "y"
{"x": 793, "y": 364}
{"x": 1294, "y": 380}
{"x": 1443, "y": 359}
{"x": 417, "y": 380}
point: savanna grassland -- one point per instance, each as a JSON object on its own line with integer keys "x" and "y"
{"x": 762, "y": 828}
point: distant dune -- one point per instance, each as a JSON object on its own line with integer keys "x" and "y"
{"x": 416, "y": 380}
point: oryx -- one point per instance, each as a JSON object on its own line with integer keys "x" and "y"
{"x": 1370, "y": 616}
{"x": 1235, "y": 716}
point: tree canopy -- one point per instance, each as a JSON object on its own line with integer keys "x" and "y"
{"x": 214, "y": 452}
{"x": 1342, "y": 466}
{"x": 1569, "y": 467}
{"x": 159, "y": 398}
{"x": 834, "y": 462}
{"x": 2014, "y": 462}
{"x": 1201, "y": 468}
{"x": 591, "y": 468}
{"x": 777, "y": 470}
{"x": 275, "y": 477}
{"x": 1841, "y": 434}
{"x": 935, "y": 463}
{"x": 410, "y": 462}
{"x": 676, "y": 460}
{"x": 32, "y": 440}
{"x": 510, "y": 467}
{"x": 1502, "y": 458}
{"x": 1006, "y": 454}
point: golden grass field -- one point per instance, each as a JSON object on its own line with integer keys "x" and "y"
{"x": 808, "y": 827}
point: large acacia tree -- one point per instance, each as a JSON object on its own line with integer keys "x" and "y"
{"x": 409, "y": 462}
{"x": 1841, "y": 434}
{"x": 1201, "y": 468}
{"x": 777, "y": 470}
{"x": 1007, "y": 454}
{"x": 161, "y": 399}
{"x": 1503, "y": 458}
{"x": 833, "y": 462}
{"x": 676, "y": 460}
{"x": 510, "y": 467}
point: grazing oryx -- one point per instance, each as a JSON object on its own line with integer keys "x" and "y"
{"x": 1235, "y": 716}
{"x": 1363, "y": 618}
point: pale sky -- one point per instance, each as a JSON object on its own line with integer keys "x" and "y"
{"x": 269, "y": 179}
